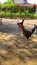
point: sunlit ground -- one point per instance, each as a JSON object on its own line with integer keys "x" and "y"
{"x": 13, "y": 48}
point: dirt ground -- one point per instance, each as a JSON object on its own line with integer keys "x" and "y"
{"x": 13, "y": 48}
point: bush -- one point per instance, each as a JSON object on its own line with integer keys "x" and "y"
{"x": 17, "y": 14}
{"x": 7, "y": 14}
{"x": 12, "y": 14}
{"x": 32, "y": 9}
{"x": 14, "y": 8}
{"x": 23, "y": 14}
{"x": 35, "y": 15}
{"x": 21, "y": 8}
{"x": 29, "y": 15}
{"x": 2, "y": 14}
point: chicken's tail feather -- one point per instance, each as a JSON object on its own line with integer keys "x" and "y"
{"x": 23, "y": 21}
{"x": 35, "y": 27}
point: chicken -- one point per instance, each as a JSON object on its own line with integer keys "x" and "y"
{"x": 26, "y": 33}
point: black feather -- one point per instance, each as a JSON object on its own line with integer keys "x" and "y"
{"x": 33, "y": 30}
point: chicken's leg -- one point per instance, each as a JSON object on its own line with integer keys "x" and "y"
{"x": 27, "y": 42}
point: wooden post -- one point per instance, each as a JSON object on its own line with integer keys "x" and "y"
{"x": 0, "y": 21}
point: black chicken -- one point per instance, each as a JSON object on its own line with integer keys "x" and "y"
{"x": 26, "y": 32}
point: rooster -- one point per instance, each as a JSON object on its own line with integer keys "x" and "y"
{"x": 26, "y": 33}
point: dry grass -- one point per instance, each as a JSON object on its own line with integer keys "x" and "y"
{"x": 14, "y": 52}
